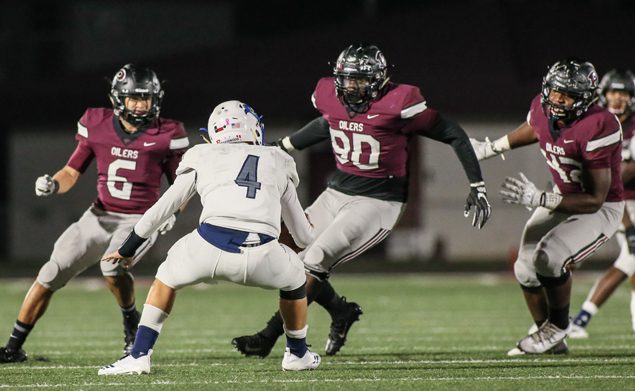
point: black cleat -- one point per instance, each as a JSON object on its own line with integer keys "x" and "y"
{"x": 130, "y": 327}
{"x": 254, "y": 345}
{"x": 340, "y": 325}
{"x": 9, "y": 355}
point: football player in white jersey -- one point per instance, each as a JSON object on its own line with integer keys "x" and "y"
{"x": 245, "y": 188}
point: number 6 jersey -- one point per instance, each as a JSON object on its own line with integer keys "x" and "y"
{"x": 129, "y": 166}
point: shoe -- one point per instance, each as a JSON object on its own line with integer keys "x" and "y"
{"x": 128, "y": 365}
{"x": 254, "y": 345}
{"x": 561, "y": 348}
{"x": 340, "y": 325}
{"x": 9, "y": 355}
{"x": 543, "y": 340}
{"x": 578, "y": 332}
{"x": 130, "y": 327}
{"x": 291, "y": 362}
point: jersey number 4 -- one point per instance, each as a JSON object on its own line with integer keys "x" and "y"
{"x": 357, "y": 149}
{"x": 248, "y": 176}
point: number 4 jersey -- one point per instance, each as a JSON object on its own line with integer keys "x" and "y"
{"x": 129, "y": 166}
{"x": 590, "y": 142}
{"x": 371, "y": 148}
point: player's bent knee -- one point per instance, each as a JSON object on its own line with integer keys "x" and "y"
{"x": 294, "y": 294}
{"x": 52, "y": 277}
{"x": 525, "y": 276}
{"x": 552, "y": 282}
{"x": 546, "y": 266}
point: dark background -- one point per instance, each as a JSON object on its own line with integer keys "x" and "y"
{"x": 474, "y": 60}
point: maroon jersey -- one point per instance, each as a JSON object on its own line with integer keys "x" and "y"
{"x": 374, "y": 144}
{"x": 590, "y": 142}
{"x": 129, "y": 166}
{"x": 628, "y": 153}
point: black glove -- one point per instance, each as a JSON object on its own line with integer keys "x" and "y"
{"x": 477, "y": 199}
{"x": 630, "y": 238}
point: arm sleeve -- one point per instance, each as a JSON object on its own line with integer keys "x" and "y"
{"x": 182, "y": 190}
{"x": 82, "y": 156}
{"x": 293, "y": 216}
{"x": 312, "y": 133}
{"x": 449, "y": 132}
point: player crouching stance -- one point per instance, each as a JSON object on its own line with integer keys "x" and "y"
{"x": 581, "y": 142}
{"x": 245, "y": 188}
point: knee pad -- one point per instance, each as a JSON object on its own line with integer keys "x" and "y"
{"x": 294, "y": 294}
{"x": 525, "y": 275}
{"x": 314, "y": 258}
{"x": 545, "y": 266}
{"x": 51, "y": 277}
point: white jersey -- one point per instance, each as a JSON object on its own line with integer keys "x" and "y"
{"x": 242, "y": 187}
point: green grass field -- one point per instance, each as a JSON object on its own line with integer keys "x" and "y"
{"x": 432, "y": 332}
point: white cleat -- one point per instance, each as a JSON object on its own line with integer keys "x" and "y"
{"x": 128, "y": 365}
{"x": 578, "y": 332}
{"x": 291, "y": 362}
{"x": 544, "y": 340}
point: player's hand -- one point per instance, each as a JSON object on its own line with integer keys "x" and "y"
{"x": 45, "y": 186}
{"x": 477, "y": 199}
{"x": 521, "y": 191}
{"x": 167, "y": 225}
{"x": 485, "y": 149}
{"x": 630, "y": 238}
{"x": 115, "y": 257}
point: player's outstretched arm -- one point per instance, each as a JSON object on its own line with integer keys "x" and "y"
{"x": 310, "y": 134}
{"x": 523, "y": 135}
{"x": 61, "y": 182}
{"x": 294, "y": 218}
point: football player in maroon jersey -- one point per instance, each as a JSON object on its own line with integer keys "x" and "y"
{"x": 617, "y": 94}
{"x": 581, "y": 142}
{"x": 369, "y": 121}
{"x": 133, "y": 148}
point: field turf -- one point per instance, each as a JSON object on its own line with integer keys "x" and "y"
{"x": 419, "y": 332}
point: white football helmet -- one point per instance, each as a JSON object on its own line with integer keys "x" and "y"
{"x": 235, "y": 122}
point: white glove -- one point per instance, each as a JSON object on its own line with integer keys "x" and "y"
{"x": 525, "y": 193}
{"x": 167, "y": 225}
{"x": 45, "y": 186}
{"x": 486, "y": 149}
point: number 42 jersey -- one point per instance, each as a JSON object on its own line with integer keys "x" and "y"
{"x": 129, "y": 166}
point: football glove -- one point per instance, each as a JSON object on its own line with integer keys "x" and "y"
{"x": 477, "y": 199}
{"x": 45, "y": 186}
{"x": 167, "y": 225}
{"x": 630, "y": 238}
{"x": 486, "y": 149}
{"x": 523, "y": 192}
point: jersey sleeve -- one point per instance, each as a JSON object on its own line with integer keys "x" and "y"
{"x": 420, "y": 118}
{"x": 323, "y": 93}
{"x": 83, "y": 154}
{"x": 189, "y": 161}
{"x": 290, "y": 168}
{"x": 178, "y": 145}
{"x": 598, "y": 151}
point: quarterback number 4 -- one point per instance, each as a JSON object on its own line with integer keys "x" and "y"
{"x": 248, "y": 176}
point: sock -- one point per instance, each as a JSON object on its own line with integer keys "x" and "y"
{"x": 330, "y": 300}
{"x": 559, "y": 316}
{"x": 539, "y": 322}
{"x": 150, "y": 326}
{"x": 18, "y": 335}
{"x": 130, "y": 317}
{"x": 296, "y": 341}
{"x": 274, "y": 328}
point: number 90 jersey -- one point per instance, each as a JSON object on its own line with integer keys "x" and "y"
{"x": 129, "y": 166}
{"x": 590, "y": 142}
{"x": 241, "y": 185}
{"x": 374, "y": 144}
